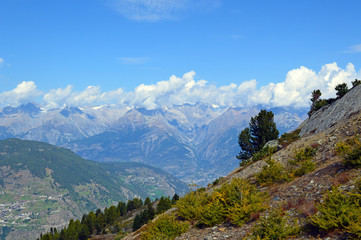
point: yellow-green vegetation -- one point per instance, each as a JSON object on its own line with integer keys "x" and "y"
{"x": 299, "y": 165}
{"x": 235, "y": 201}
{"x": 288, "y": 138}
{"x": 302, "y": 162}
{"x": 275, "y": 225}
{"x": 165, "y": 227}
{"x": 264, "y": 152}
{"x": 273, "y": 172}
{"x": 350, "y": 150}
{"x": 339, "y": 210}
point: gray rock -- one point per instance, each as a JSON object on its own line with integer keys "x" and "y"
{"x": 273, "y": 144}
{"x": 329, "y": 115}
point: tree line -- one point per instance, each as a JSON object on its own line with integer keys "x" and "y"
{"x": 96, "y": 223}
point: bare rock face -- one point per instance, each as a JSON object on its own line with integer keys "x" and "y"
{"x": 328, "y": 116}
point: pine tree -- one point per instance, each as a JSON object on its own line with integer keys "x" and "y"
{"x": 262, "y": 129}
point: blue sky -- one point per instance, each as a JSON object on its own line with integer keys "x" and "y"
{"x": 122, "y": 51}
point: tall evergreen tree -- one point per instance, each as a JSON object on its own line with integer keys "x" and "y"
{"x": 262, "y": 129}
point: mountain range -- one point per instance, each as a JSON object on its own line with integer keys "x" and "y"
{"x": 194, "y": 142}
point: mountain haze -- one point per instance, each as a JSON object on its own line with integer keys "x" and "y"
{"x": 192, "y": 142}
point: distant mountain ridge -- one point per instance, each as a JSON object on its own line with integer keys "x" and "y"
{"x": 193, "y": 142}
{"x": 42, "y": 185}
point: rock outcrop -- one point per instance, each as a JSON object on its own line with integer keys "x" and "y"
{"x": 329, "y": 115}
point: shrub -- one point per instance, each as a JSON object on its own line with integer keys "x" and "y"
{"x": 339, "y": 210}
{"x": 305, "y": 167}
{"x": 235, "y": 201}
{"x": 264, "y": 152}
{"x": 318, "y": 105}
{"x": 350, "y": 150}
{"x": 165, "y": 227}
{"x": 304, "y": 154}
{"x": 302, "y": 163}
{"x": 272, "y": 173}
{"x": 190, "y": 206}
{"x": 341, "y": 89}
{"x": 215, "y": 182}
{"x": 275, "y": 225}
{"x": 288, "y": 138}
{"x": 241, "y": 199}
{"x": 214, "y": 212}
{"x": 356, "y": 83}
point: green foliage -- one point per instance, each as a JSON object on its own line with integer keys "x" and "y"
{"x": 98, "y": 222}
{"x": 175, "y": 198}
{"x": 305, "y": 167}
{"x": 350, "y": 151}
{"x": 288, "y": 138}
{"x": 134, "y": 204}
{"x": 356, "y": 83}
{"x": 164, "y": 204}
{"x": 165, "y": 227}
{"x": 264, "y": 152}
{"x": 215, "y": 182}
{"x": 341, "y": 89}
{"x": 273, "y": 172}
{"x": 316, "y": 102}
{"x": 190, "y": 206}
{"x": 315, "y": 95}
{"x": 242, "y": 199}
{"x": 339, "y": 210}
{"x": 262, "y": 129}
{"x": 317, "y": 105}
{"x": 302, "y": 162}
{"x": 147, "y": 201}
{"x": 235, "y": 201}
{"x": 143, "y": 217}
{"x": 275, "y": 225}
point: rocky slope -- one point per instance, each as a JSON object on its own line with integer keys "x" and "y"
{"x": 300, "y": 196}
{"x": 43, "y": 186}
{"x": 329, "y": 115}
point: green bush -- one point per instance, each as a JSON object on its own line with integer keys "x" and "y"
{"x": 318, "y": 105}
{"x": 275, "y": 225}
{"x": 165, "y": 227}
{"x": 304, "y": 167}
{"x": 356, "y": 83}
{"x": 288, "y": 138}
{"x": 241, "y": 199}
{"x": 350, "y": 150}
{"x": 302, "y": 162}
{"x": 264, "y": 152}
{"x": 214, "y": 212}
{"x": 235, "y": 201}
{"x": 304, "y": 154}
{"x": 339, "y": 210}
{"x": 215, "y": 182}
{"x": 190, "y": 206}
{"x": 272, "y": 173}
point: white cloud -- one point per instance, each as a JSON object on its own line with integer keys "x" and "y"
{"x": 24, "y": 92}
{"x": 57, "y": 97}
{"x": 355, "y": 48}
{"x": 92, "y": 95}
{"x": 295, "y": 90}
{"x": 1, "y": 61}
{"x": 156, "y": 10}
